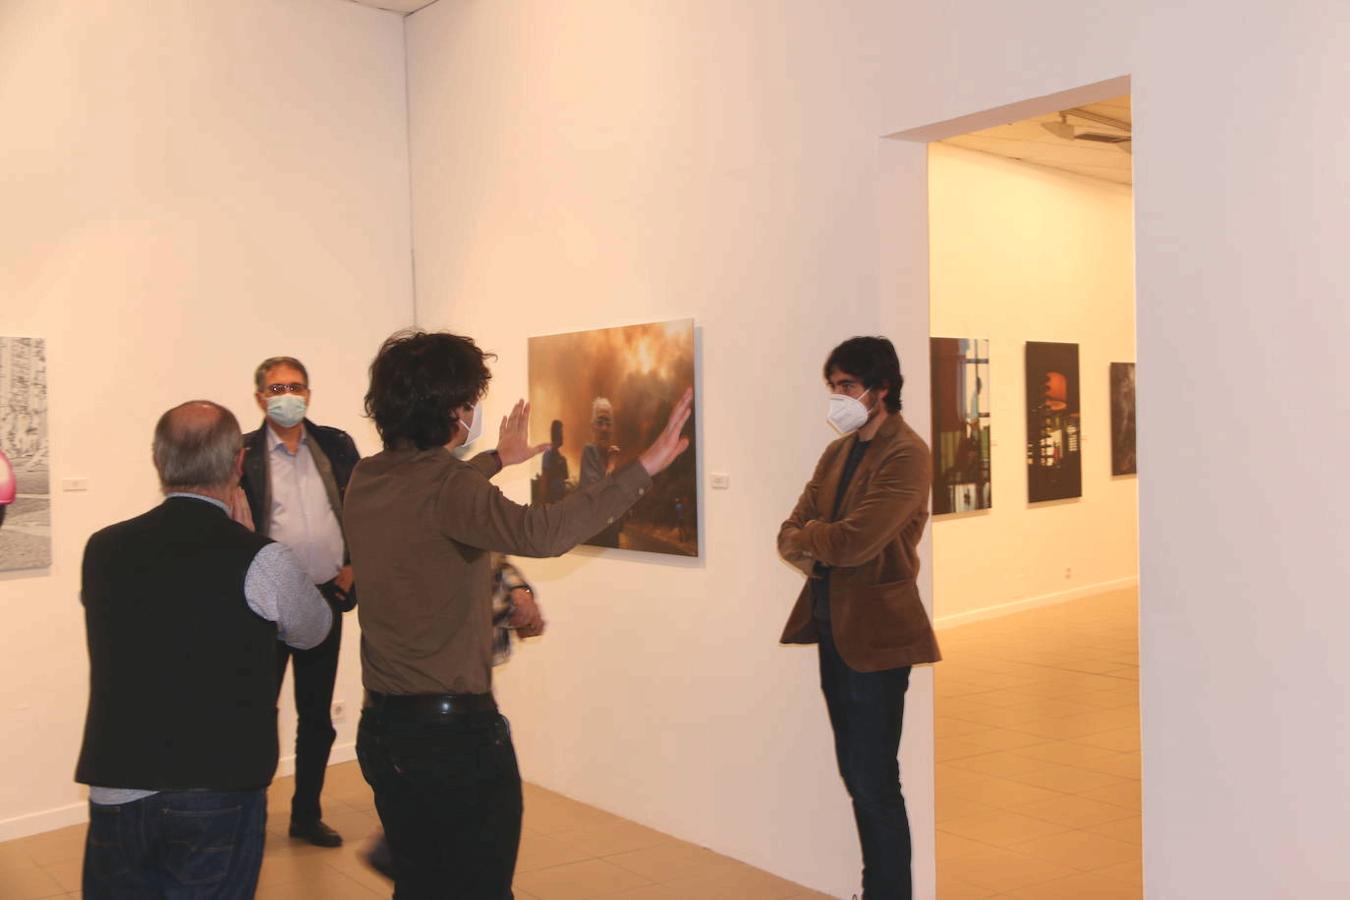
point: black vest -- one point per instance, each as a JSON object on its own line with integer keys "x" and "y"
{"x": 182, "y": 674}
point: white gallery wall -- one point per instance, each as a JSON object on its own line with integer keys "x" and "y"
{"x": 185, "y": 189}
{"x": 1025, "y": 253}
{"x": 1241, "y": 279}
{"x": 592, "y": 164}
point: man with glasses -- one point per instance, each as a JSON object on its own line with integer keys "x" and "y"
{"x": 295, "y": 476}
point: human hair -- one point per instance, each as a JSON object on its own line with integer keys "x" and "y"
{"x": 874, "y": 362}
{"x": 267, "y": 365}
{"x": 196, "y": 445}
{"x": 555, "y": 432}
{"x": 418, "y": 382}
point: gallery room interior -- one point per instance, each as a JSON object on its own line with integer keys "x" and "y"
{"x": 190, "y": 188}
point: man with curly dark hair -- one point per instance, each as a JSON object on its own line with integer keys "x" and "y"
{"x": 422, "y": 526}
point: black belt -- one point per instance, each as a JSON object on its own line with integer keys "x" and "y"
{"x": 430, "y": 706}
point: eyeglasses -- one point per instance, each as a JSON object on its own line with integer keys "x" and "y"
{"x": 293, "y": 387}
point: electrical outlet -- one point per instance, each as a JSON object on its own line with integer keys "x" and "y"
{"x": 339, "y": 710}
{"x": 721, "y": 481}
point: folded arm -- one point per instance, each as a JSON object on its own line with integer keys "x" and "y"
{"x": 896, "y": 491}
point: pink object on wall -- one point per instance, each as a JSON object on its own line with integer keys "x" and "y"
{"x": 7, "y": 483}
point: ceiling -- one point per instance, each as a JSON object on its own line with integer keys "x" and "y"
{"x": 1029, "y": 141}
{"x": 399, "y": 6}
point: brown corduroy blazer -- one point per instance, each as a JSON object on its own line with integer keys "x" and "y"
{"x": 876, "y": 616}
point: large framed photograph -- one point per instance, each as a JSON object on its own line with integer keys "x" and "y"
{"x": 601, "y": 397}
{"x": 961, "y": 425}
{"x": 25, "y": 480}
{"x": 1054, "y": 423}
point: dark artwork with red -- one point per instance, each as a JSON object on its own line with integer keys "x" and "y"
{"x": 1054, "y": 423}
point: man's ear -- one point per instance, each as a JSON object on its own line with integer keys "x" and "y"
{"x": 239, "y": 465}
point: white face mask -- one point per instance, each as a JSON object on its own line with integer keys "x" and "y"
{"x": 847, "y": 414}
{"x": 287, "y": 410}
{"x": 476, "y": 429}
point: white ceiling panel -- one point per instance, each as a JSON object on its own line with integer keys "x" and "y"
{"x": 1031, "y": 142}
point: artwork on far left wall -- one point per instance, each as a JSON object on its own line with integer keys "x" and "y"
{"x": 1054, "y": 423}
{"x": 25, "y": 482}
{"x": 602, "y": 397}
{"x": 961, "y": 425}
{"x": 1123, "y": 459}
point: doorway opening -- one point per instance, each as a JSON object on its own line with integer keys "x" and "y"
{"x": 1035, "y": 528}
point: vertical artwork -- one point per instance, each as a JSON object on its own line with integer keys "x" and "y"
{"x": 1123, "y": 461}
{"x": 960, "y": 425}
{"x": 601, "y": 397}
{"x": 1054, "y": 423}
{"x": 25, "y": 483}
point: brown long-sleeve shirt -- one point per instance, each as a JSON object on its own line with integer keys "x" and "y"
{"x": 420, "y": 525}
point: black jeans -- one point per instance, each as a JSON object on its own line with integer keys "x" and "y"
{"x": 315, "y": 675}
{"x": 867, "y": 711}
{"x": 176, "y": 845}
{"x": 449, "y": 797}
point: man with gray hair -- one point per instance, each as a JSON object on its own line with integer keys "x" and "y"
{"x": 183, "y": 609}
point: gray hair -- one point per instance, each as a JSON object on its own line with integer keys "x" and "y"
{"x": 196, "y": 444}
{"x": 267, "y": 365}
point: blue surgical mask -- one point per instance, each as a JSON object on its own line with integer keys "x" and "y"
{"x": 287, "y": 410}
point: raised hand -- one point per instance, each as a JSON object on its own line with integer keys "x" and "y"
{"x": 670, "y": 443}
{"x": 513, "y": 442}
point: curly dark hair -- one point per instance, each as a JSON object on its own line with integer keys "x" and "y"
{"x": 874, "y": 361}
{"x": 418, "y": 381}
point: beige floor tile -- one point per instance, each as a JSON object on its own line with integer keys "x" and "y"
{"x": 1131, "y": 872}
{"x": 323, "y": 882}
{"x": 611, "y": 838}
{"x": 1001, "y": 764}
{"x": 542, "y": 851}
{"x": 579, "y": 880}
{"x": 738, "y": 882}
{"x": 50, "y": 847}
{"x": 997, "y": 869}
{"x": 1067, "y": 779}
{"x": 1122, "y": 739}
{"x": 1124, "y": 794}
{"x": 1002, "y": 829}
{"x": 1130, "y": 830}
{"x": 950, "y": 846}
{"x": 29, "y": 884}
{"x": 1122, "y": 765}
{"x": 670, "y": 860}
{"x": 952, "y": 807}
{"x": 1076, "y": 812}
{"x": 68, "y": 874}
{"x": 1080, "y": 887}
{"x": 1080, "y": 850}
{"x": 951, "y": 887}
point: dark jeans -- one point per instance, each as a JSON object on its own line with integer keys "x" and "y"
{"x": 177, "y": 845}
{"x": 867, "y": 711}
{"x": 315, "y": 675}
{"x": 449, "y": 797}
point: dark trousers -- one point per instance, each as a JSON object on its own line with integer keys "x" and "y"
{"x": 176, "y": 845}
{"x": 315, "y": 675}
{"x": 867, "y": 711}
{"x": 449, "y": 797}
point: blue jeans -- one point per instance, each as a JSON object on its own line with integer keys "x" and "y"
{"x": 449, "y": 797}
{"x": 176, "y": 845}
{"x": 867, "y": 711}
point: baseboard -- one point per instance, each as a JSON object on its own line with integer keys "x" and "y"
{"x": 77, "y": 813}
{"x": 1003, "y": 609}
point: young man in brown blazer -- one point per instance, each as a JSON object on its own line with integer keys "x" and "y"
{"x": 855, "y": 533}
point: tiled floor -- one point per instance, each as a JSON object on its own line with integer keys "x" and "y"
{"x": 569, "y": 851}
{"x": 1038, "y": 754}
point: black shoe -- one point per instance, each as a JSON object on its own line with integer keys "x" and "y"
{"x": 317, "y": 833}
{"x": 380, "y": 858}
